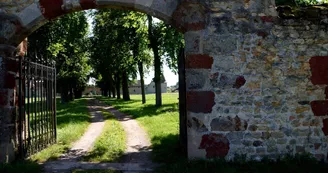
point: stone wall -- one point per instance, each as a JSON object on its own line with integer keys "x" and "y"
{"x": 8, "y": 101}
{"x": 265, "y": 84}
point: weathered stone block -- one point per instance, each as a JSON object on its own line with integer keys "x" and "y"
{"x": 277, "y": 134}
{"x": 196, "y": 79}
{"x": 257, "y": 143}
{"x": 228, "y": 124}
{"x": 325, "y": 126}
{"x": 199, "y": 125}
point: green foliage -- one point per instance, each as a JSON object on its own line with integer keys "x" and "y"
{"x": 300, "y": 2}
{"x": 65, "y": 42}
{"x": 117, "y": 44}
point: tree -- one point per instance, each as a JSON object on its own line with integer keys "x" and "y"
{"x": 154, "y": 44}
{"x": 123, "y": 52}
{"x": 166, "y": 42}
{"x": 64, "y": 41}
{"x": 300, "y": 2}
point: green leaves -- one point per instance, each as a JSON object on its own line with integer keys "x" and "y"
{"x": 64, "y": 41}
{"x": 300, "y": 2}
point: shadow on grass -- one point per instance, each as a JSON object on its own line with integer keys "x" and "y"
{"x": 74, "y": 113}
{"x": 21, "y": 167}
{"x": 101, "y": 151}
{"x": 137, "y": 112}
{"x": 166, "y": 149}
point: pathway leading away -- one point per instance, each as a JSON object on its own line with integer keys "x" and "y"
{"x": 137, "y": 155}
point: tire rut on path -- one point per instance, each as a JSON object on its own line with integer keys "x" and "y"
{"x": 136, "y": 159}
{"x": 137, "y": 140}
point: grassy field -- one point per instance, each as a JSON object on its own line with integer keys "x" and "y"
{"x": 162, "y": 124}
{"x": 72, "y": 121}
{"x": 110, "y": 146}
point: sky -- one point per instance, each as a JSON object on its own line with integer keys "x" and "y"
{"x": 170, "y": 77}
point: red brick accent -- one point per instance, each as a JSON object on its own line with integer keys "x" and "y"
{"x": 262, "y": 34}
{"x": 319, "y": 69}
{"x": 325, "y": 127}
{"x": 240, "y": 81}
{"x": 317, "y": 146}
{"x": 216, "y": 145}
{"x": 51, "y": 8}
{"x": 267, "y": 19}
{"x": 195, "y": 26}
{"x": 320, "y": 107}
{"x": 200, "y": 102}
{"x": 88, "y": 4}
{"x": 11, "y": 65}
{"x": 10, "y": 81}
{"x": 199, "y": 61}
{"x": 3, "y": 98}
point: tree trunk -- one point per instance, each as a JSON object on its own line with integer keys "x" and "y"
{"x": 140, "y": 67}
{"x": 111, "y": 86}
{"x": 78, "y": 93}
{"x": 105, "y": 92}
{"x": 108, "y": 88}
{"x": 118, "y": 85}
{"x": 71, "y": 93}
{"x": 157, "y": 61}
{"x": 125, "y": 86}
{"x": 64, "y": 94}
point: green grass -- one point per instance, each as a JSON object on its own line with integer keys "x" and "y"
{"x": 162, "y": 124}
{"x": 72, "y": 121}
{"x": 110, "y": 145}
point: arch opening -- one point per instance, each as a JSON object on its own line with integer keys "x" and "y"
{"x": 41, "y": 20}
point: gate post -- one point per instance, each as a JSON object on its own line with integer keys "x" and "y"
{"x": 8, "y": 69}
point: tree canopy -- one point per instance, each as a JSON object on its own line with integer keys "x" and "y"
{"x": 64, "y": 41}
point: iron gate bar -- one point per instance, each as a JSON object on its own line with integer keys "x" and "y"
{"x": 37, "y": 112}
{"x": 20, "y": 129}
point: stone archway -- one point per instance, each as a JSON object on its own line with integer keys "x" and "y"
{"x": 21, "y": 18}
{"x": 251, "y": 74}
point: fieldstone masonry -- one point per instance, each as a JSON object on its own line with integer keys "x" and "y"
{"x": 257, "y": 75}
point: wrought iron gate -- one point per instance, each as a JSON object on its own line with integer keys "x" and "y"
{"x": 37, "y": 107}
